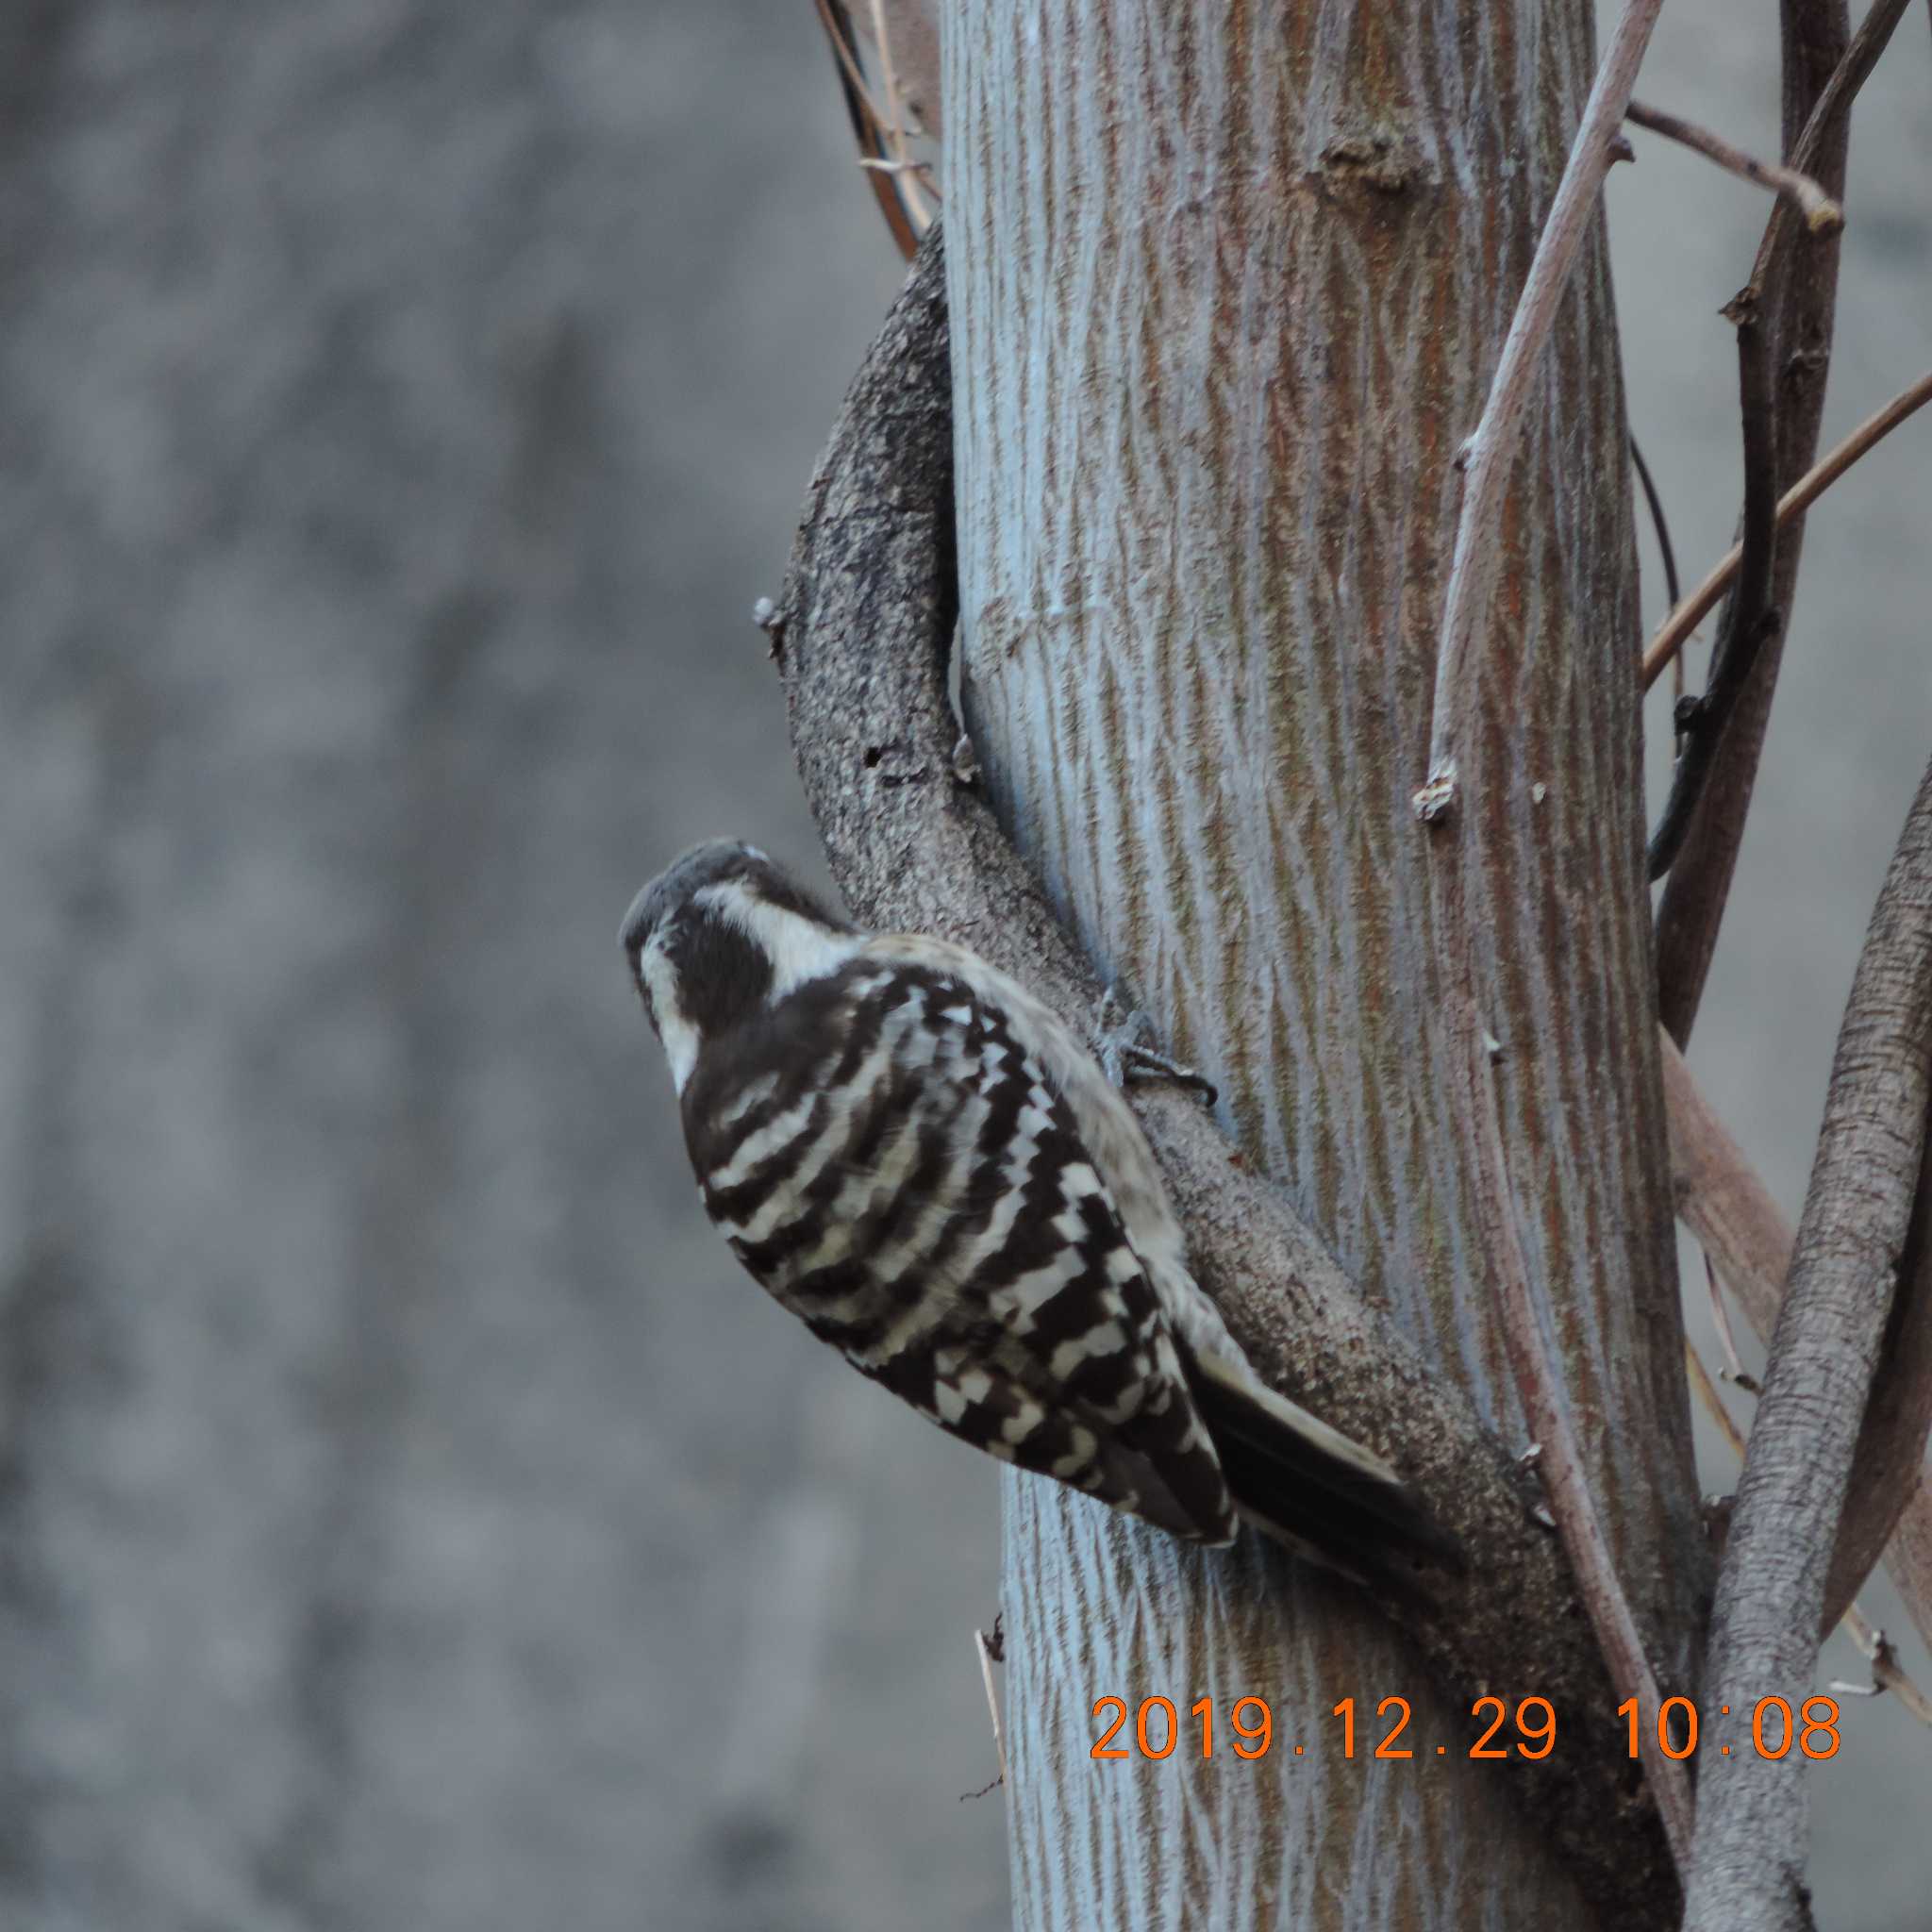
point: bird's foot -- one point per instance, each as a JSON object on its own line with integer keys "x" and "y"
{"x": 1124, "y": 1055}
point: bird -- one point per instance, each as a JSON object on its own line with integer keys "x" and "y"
{"x": 930, "y": 1169}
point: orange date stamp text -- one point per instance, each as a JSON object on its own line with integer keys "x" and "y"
{"x": 1245, "y": 1728}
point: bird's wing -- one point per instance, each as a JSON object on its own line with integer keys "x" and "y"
{"x": 1296, "y": 1477}
{"x": 904, "y": 1177}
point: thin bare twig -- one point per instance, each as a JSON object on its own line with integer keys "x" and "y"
{"x": 1486, "y": 457}
{"x": 1676, "y": 630}
{"x": 1472, "y": 585}
{"x": 1666, "y": 549}
{"x": 1707, "y": 1393}
{"x": 1840, "y": 90}
{"x": 1771, "y": 1583}
{"x": 1721, "y": 1320}
{"x": 837, "y": 22}
{"x": 915, "y": 27}
{"x": 895, "y": 122}
{"x": 1822, "y": 215}
{"x": 1888, "y": 1674}
{"x": 1752, "y": 617}
{"x": 1673, "y": 590}
{"x": 868, "y": 128}
{"x": 992, "y": 1704}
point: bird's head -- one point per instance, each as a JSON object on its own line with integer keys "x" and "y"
{"x": 719, "y": 933}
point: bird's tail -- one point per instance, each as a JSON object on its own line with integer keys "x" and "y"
{"x": 1313, "y": 1488}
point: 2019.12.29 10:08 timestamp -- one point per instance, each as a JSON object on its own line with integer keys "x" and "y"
{"x": 1528, "y": 1732}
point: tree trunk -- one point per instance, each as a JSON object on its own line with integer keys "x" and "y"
{"x": 1227, "y": 283}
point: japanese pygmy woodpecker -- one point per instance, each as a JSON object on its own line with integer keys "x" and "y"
{"x": 930, "y": 1170}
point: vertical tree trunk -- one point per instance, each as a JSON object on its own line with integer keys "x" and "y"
{"x": 1227, "y": 281}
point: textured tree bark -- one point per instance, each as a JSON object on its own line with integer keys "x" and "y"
{"x": 863, "y": 635}
{"x": 1227, "y": 286}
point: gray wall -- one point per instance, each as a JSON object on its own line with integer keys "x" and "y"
{"x": 407, "y": 1515}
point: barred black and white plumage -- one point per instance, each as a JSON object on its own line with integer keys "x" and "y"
{"x": 922, "y": 1163}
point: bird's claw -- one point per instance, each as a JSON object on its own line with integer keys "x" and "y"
{"x": 1124, "y": 1056}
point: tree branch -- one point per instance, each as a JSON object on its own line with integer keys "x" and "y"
{"x": 1821, "y": 74}
{"x": 1748, "y": 1863}
{"x": 862, "y": 636}
{"x": 1561, "y": 1458}
{"x": 1821, "y": 213}
{"x": 1829, "y": 114}
{"x": 1487, "y": 456}
{"x": 1723, "y": 1203}
{"x": 894, "y": 131}
{"x": 1752, "y": 618}
{"x": 1687, "y": 614}
{"x": 1471, "y": 583}
{"x": 1666, "y": 550}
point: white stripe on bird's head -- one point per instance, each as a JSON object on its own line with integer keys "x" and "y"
{"x": 798, "y": 944}
{"x": 658, "y": 980}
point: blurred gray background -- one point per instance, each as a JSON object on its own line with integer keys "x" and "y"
{"x": 408, "y": 1517}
